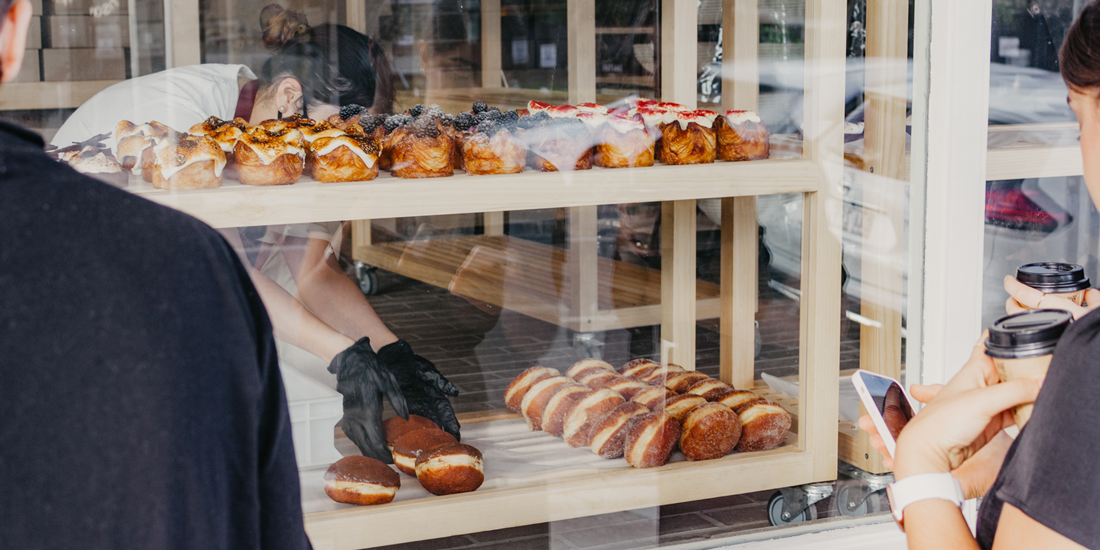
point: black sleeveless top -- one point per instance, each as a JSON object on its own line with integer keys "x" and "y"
{"x": 1052, "y": 470}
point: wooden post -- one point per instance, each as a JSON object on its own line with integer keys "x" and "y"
{"x": 182, "y": 20}
{"x": 357, "y": 15}
{"x": 819, "y": 343}
{"x": 360, "y": 234}
{"x": 679, "y": 68}
{"x": 493, "y": 223}
{"x": 491, "y": 63}
{"x": 740, "y": 90}
{"x": 583, "y": 267}
{"x": 884, "y": 155}
{"x": 678, "y": 283}
{"x": 582, "y": 50}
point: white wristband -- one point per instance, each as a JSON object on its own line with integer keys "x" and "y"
{"x": 923, "y": 487}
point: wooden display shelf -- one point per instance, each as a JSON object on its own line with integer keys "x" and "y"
{"x": 457, "y": 100}
{"x": 533, "y": 279}
{"x": 49, "y": 95}
{"x": 236, "y": 205}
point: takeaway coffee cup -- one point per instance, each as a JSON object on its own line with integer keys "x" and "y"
{"x": 1065, "y": 280}
{"x": 1021, "y": 346}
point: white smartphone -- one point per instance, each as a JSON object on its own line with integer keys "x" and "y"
{"x": 887, "y": 404}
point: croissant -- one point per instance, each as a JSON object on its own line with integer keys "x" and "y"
{"x": 691, "y": 139}
{"x": 501, "y": 153}
{"x": 624, "y": 142}
{"x": 271, "y": 153}
{"x": 188, "y": 162}
{"x": 421, "y": 150}
{"x": 742, "y": 136}
{"x": 344, "y": 158}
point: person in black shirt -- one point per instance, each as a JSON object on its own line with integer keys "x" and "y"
{"x": 1039, "y": 489}
{"x": 141, "y": 404}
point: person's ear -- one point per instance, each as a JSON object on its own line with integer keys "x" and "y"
{"x": 13, "y": 39}
{"x": 288, "y": 96}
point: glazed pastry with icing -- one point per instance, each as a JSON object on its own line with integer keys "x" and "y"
{"x": 742, "y": 136}
{"x": 690, "y": 138}
{"x": 494, "y": 152}
{"x": 623, "y": 142}
{"x": 188, "y": 162}
{"x": 513, "y": 395}
{"x": 271, "y": 153}
{"x": 224, "y": 132}
{"x": 421, "y": 149}
{"x": 361, "y": 480}
{"x": 344, "y": 158}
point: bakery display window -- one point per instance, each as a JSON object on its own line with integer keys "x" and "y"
{"x": 640, "y": 244}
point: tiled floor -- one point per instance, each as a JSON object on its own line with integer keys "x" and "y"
{"x": 482, "y": 351}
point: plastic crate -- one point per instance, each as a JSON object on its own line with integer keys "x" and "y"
{"x": 314, "y": 411}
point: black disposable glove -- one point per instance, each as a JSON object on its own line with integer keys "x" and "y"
{"x": 363, "y": 379}
{"x": 425, "y": 389}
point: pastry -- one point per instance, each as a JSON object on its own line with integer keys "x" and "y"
{"x": 556, "y": 144}
{"x": 129, "y": 142}
{"x": 623, "y": 142}
{"x": 679, "y": 382}
{"x": 609, "y": 432}
{"x": 95, "y": 161}
{"x": 387, "y": 133}
{"x": 584, "y": 366}
{"x": 709, "y": 431}
{"x": 738, "y": 400}
{"x": 422, "y": 150}
{"x": 593, "y": 108}
{"x": 600, "y": 380}
{"x": 711, "y": 389}
{"x": 654, "y": 119}
{"x": 742, "y": 136}
{"x": 637, "y": 365}
{"x": 535, "y": 400}
{"x": 513, "y": 395}
{"x": 344, "y": 158}
{"x": 584, "y": 415}
{"x": 409, "y": 447}
{"x": 628, "y": 387}
{"x": 361, "y": 480}
{"x": 140, "y": 141}
{"x": 270, "y": 153}
{"x": 690, "y": 139}
{"x": 560, "y": 405}
{"x": 451, "y": 469}
{"x": 535, "y": 107}
{"x": 312, "y": 130}
{"x": 677, "y": 407}
{"x": 654, "y": 397}
{"x": 650, "y": 439}
{"x": 764, "y": 425}
{"x": 224, "y": 132}
{"x": 395, "y": 427}
{"x": 348, "y": 116}
{"x": 660, "y": 374}
{"x": 187, "y": 162}
{"x": 493, "y": 150}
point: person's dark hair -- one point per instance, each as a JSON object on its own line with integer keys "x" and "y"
{"x": 1080, "y": 54}
{"x": 334, "y": 64}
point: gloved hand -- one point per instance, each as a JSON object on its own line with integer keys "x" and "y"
{"x": 363, "y": 379}
{"x": 425, "y": 389}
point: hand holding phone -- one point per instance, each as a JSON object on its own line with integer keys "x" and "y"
{"x": 887, "y": 404}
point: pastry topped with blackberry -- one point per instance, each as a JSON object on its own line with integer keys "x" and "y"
{"x": 557, "y": 143}
{"x": 421, "y": 148}
{"x": 491, "y": 147}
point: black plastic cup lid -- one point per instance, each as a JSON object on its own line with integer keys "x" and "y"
{"x": 1053, "y": 277}
{"x": 1028, "y": 334}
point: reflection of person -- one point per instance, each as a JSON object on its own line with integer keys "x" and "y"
{"x": 324, "y": 325}
{"x": 141, "y": 399}
{"x": 1038, "y": 489}
{"x": 892, "y": 412}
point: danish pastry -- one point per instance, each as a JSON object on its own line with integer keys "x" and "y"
{"x": 188, "y": 162}
{"x": 344, "y": 158}
{"x": 742, "y": 136}
{"x": 690, "y": 139}
{"x": 270, "y": 153}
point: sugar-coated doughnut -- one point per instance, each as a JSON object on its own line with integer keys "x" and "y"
{"x": 450, "y": 469}
{"x": 710, "y": 389}
{"x": 680, "y": 382}
{"x": 678, "y": 407}
{"x": 738, "y": 400}
{"x": 609, "y": 432}
{"x": 407, "y": 449}
{"x": 583, "y": 366}
{"x": 709, "y": 431}
{"x": 584, "y": 415}
{"x": 395, "y": 427}
{"x": 361, "y": 480}
{"x": 600, "y": 379}
{"x": 764, "y": 425}
{"x": 654, "y": 397}
{"x": 637, "y": 365}
{"x": 650, "y": 439}
{"x": 535, "y": 401}
{"x": 513, "y": 396}
{"x": 561, "y": 403}
{"x": 658, "y": 375}
{"x": 628, "y": 387}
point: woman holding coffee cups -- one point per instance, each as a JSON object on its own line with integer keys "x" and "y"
{"x": 1039, "y": 488}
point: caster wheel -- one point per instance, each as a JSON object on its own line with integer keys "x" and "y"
{"x": 775, "y": 512}
{"x": 368, "y": 282}
{"x": 870, "y": 505}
